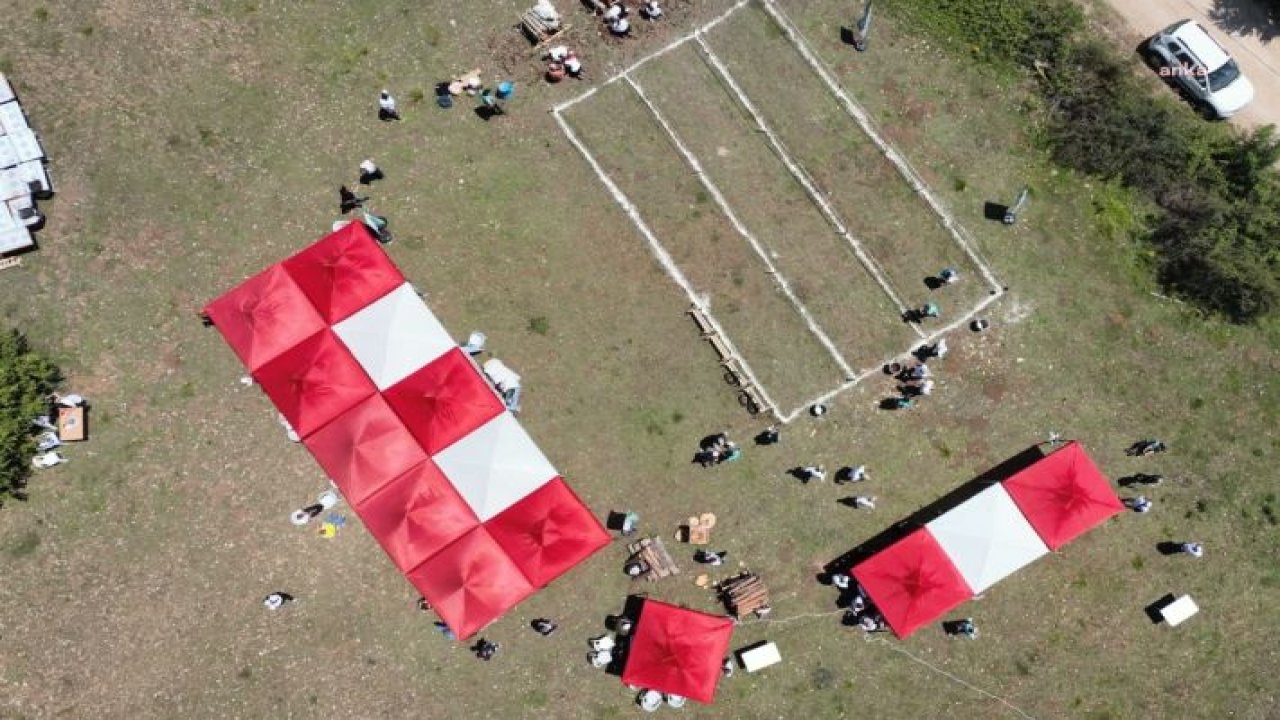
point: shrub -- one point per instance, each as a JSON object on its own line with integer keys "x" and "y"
{"x": 26, "y": 379}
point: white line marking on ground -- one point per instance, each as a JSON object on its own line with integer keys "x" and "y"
{"x": 665, "y": 260}
{"x": 746, "y": 234}
{"x": 802, "y": 177}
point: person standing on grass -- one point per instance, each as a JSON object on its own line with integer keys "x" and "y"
{"x": 711, "y": 557}
{"x": 857, "y": 473}
{"x": 277, "y": 600}
{"x": 485, "y": 650}
{"x": 369, "y": 171}
{"x": 864, "y": 502}
{"x": 813, "y": 472}
{"x": 543, "y": 626}
{"x": 1194, "y": 549}
{"x": 769, "y": 436}
{"x": 387, "y": 107}
{"x": 949, "y": 275}
{"x": 1139, "y": 504}
{"x": 930, "y": 310}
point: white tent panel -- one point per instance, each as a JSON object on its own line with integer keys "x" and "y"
{"x": 987, "y": 538}
{"x": 394, "y": 336}
{"x": 495, "y": 466}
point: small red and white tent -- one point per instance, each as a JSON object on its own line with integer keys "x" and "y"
{"x": 677, "y": 651}
{"x": 1063, "y": 495}
{"x": 987, "y": 538}
{"x": 912, "y": 582}
{"x": 445, "y": 479}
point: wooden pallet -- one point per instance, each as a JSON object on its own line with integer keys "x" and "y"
{"x": 538, "y": 31}
{"x": 7, "y": 263}
{"x": 653, "y": 554}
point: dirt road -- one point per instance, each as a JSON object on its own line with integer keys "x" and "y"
{"x": 1239, "y": 26}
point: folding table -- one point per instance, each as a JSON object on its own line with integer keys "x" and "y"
{"x": 1176, "y": 612}
{"x": 12, "y": 118}
{"x": 25, "y": 145}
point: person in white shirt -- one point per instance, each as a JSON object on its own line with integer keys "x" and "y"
{"x": 621, "y": 26}
{"x": 862, "y": 502}
{"x": 614, "y": 12}
{"x": 651, "y": 10}
{"x": 813, "y": 472}
{"x": 387, "y": 107}
{"x": 1194, "y": 549}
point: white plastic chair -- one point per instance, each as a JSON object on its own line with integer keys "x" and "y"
{"x": 600, "y": 659}
{"x": 47, "y": 441}
{"x": 475, "y": 343}
{"x": 48, "y": 460}
{"x": 604, "y": 643}
{"x": 649, "y": 700}
{"x": 328, "y": 499}
{"x": 676, "y": 701}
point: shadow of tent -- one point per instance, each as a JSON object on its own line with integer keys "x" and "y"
{"x": 1153, "y": 610}
{"x": 935, "y": 509}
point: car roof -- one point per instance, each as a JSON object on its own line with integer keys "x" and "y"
{"x": 1202, "y": 45}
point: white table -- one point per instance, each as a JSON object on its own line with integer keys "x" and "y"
{"x": 25, "y": 145}
{"x": 6, "y": 91}
{"x": 11, "y": 186}
{"x": 14, "y": 237}
{"x": 33, "y": 175}
{"x": 1177, "y": 612}
{"x": 760, "y": 657}
{"x": 12, "y": 118}
{"x": 8, "y": 158}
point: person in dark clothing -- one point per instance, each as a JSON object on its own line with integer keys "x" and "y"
{"x": 347, "y": 200}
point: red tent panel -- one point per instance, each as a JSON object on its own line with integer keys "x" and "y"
{"x": 314, "y": 382}
{"x": 343, "y": 272}
{"x": 471, "y": 583}
{"x": 444, "y": 401}
{"x": 912, "y": 582}
{"x": 1063, "y": 495}
{"x": 548, "y": 532}
{"x": 264, "y": 316}
{"x": 364, "y": 448}
{"x": 677, "y": 651}
{"x": 416, "y": 515}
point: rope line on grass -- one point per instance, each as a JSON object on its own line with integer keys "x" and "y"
{"x": 950, "y": 676}
{"x": 664, "y": 258}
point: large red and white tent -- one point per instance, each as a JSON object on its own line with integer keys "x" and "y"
{"x": 677, "y": 651}
{"x": 445, "y": 479}
{"x": 912, "y": 582}
{"x": 1064, "y": 495}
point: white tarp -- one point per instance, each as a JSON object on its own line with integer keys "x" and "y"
{"x": 495, "y": 466}
{"x": 394, "y": 336}
{"x": 987, "y": 538}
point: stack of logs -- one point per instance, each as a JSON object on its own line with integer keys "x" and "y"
{"x": 745, "y": 594}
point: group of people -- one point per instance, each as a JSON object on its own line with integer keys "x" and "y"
{"x": 615, "y": 16}
{"x": 916, "y": 381}
{"x": 718, "y": 448}
{"x": 1143, "y": 504}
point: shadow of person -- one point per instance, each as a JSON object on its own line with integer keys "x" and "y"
{"x": 1168, "y": 547}
{"x": 933, "y": 283}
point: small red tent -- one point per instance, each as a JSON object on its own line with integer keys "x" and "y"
{"x": 264, "y": 316}
{"x": 344, "y": 272}
{"x": 471, "y": 583}
{"x": 547, "y": 532}
{"x": 416, "y": 515}
{"x": 314, "y": 381}
{"x": 912, "y": 582}
{"x": 444, "y": 400}
{"x": 677, "y": 651}
{"x": 364, "y": 448}
{"x": 1063, "y": 495}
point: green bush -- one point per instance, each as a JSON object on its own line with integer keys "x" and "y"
{"x": 26, "y": 379}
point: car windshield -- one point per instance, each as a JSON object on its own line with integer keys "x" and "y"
{"x": 1223, "y": 76}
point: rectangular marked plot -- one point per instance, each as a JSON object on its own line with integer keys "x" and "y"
{"x": 894, "y": 224}
{"x": 820, "y": 266}
{"x": 635, "y": 152}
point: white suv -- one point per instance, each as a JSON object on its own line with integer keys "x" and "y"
{"x": 1186, "y": 54}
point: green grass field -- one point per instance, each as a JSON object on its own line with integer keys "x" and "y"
{"x": 193, "y": 143}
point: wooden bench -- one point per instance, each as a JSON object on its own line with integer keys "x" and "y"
{"x": 7, "y": 263}
{"x": 537, "y": 29}
{"x": 721, "y": 347}
{"x": 750, "y": 396}
{"x": 654, "y": 556}
{"x": 745, "y": 594}
{"x": 704, "y": 325}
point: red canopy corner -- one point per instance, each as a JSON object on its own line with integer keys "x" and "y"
{"x": 1064, "y": 495}
{"x": 912, "y": 582}
{"x": 547, "y": 532}
{"x": 314, "y": 382}
{"x": 444, "y": 401}
{"x": 471, "y": 583}
{"x": 416, "y": 515}
{"x": 343, "y": 272}
{"x": 677, "y": 651}
{"x": 264, "y": 316}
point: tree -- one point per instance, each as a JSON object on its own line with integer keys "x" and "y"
{"x": 26, "y": 380}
